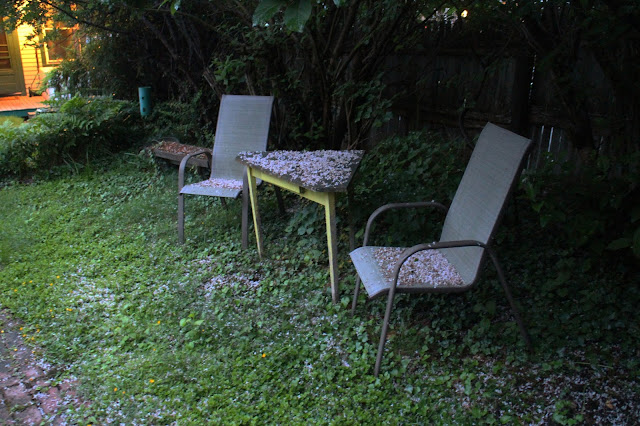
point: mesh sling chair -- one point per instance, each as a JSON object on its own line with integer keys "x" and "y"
{"x": 243, "y": 125}
{"x": 454, "y": 263}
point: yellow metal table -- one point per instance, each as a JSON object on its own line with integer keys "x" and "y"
{"x": 314, "y": 175}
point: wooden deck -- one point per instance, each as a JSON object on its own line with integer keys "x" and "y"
{"x": 20, "y": 105}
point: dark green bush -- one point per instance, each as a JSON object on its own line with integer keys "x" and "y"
{"x": 593, "y": 207}
{"x": 422, "y": 166}
{"x": 82, "y": 129}
{"x": 185, "y": 121}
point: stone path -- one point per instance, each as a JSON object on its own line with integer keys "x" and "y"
{"x": 28, "y": 396}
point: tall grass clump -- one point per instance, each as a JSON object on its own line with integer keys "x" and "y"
{"x": 11, "y": 121}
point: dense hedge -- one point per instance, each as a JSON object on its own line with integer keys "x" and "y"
{"x": 79, "y": 130}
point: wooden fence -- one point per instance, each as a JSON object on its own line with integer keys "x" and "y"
{"x": 437, "y": 88}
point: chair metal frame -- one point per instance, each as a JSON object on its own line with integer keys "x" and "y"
{"x": 456, "y": 244}
{"x": 229, "y": 144}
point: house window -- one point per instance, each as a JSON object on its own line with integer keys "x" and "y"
{"x": 58, "y": 40}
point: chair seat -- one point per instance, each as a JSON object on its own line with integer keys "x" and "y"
{"x": 425, "y": 271}
{"x": 229, "y": 188}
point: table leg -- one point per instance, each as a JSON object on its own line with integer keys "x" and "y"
{"x": 245, "y": 211}
{"x": 332, "y": 243}
{"x": 253, "y": 196}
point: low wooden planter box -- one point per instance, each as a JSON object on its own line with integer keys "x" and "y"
{"x": 173, "y": 151}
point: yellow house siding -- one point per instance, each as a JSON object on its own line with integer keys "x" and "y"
{"x": 32, "y": 67}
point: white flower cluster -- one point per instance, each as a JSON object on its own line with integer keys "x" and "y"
{"x": 428, "y": 268}
{"x": 234, "y": 280}
{"x": 309, "y": 168}
{"x": 221, "y": 183}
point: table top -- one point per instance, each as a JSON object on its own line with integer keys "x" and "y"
{"x": 320, "y": 171}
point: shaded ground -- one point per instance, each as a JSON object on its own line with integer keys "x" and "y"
{"x": 28, "y": 393}
{"x": 206, "y": 334}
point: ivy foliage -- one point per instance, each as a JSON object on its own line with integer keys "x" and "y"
{"x": 161, "y": 333}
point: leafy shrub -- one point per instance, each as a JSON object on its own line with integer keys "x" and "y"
{"x": 80, "y": 130}
{"x": 185, "y": 121}
{"x": 422, "y": 166}
{"x": 69, "y": 77}
{"x": 593, "y": 206}
{"x": 99, "y": 68}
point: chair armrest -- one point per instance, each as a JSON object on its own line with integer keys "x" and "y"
{"x": 183, "y": 165}
{"x": 395, "y": 206}
{"x": 432, "y": 246}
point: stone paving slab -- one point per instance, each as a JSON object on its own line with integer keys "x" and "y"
{"x": 28, "y": 395}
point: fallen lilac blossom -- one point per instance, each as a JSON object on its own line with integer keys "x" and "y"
{"x": 427, "y": 268}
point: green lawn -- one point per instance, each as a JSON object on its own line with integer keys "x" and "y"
{"x": 159, "y": 333}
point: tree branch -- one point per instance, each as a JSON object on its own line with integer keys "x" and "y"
{"x": 82, "y": 21}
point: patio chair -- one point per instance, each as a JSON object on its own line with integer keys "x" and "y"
{"x": 453, "y": 264}
{"x": 243, "y": 125}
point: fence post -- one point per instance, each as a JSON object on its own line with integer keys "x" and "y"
{"x": 520, "y": 92}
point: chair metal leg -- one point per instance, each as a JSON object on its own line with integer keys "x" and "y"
{"x": 356, "y": 291}
{"x": 383, "y": 334}
{"x": 514, "y": 309}
{"x": 181, "y": 218}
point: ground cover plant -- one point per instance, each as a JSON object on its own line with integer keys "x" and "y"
{"x": 159, "y": 333}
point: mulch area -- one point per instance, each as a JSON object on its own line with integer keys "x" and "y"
{"x": 29, "y": 392}
{"x": 171, "y": 150}
{"x": 175, "y": 147}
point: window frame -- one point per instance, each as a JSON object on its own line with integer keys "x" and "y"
{"x": 44, "y": 44}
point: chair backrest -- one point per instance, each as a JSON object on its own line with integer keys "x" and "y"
{"x": 243, "y": 125}
{"x": 476, "y": 208}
